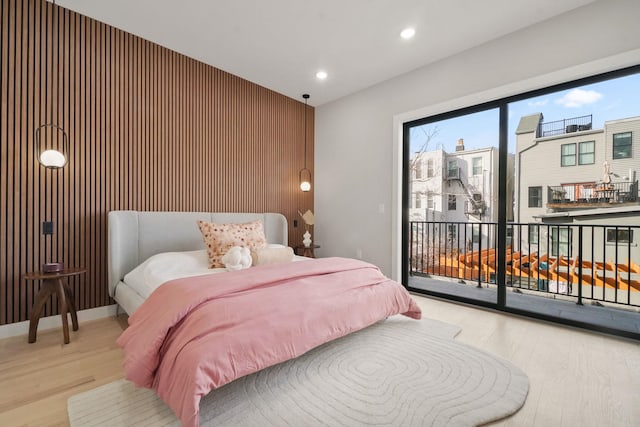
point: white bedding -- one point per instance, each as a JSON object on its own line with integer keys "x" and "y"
{"x": 163, "y": 267}
{"x": 166, "y": 266}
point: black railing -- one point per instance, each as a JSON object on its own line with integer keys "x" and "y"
{"x": 581, "y": 262}
{"x": 560, "y": 127}
{"x": 618, "y": 192}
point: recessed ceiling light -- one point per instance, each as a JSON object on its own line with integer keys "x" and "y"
{"x": 321, "y": 75}
{"x": 408, "y": 33}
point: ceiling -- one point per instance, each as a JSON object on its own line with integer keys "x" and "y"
{"x": 281, "y": 44}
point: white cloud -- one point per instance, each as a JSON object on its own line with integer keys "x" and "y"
{"x": 540, "y": 103}
{"x": 576, "y": 98}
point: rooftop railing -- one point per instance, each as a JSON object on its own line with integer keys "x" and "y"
{"x": 560, "y": 127}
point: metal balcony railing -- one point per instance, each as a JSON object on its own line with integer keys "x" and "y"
{"x": 581, "y": 262}
{"x": 578, "y": 194}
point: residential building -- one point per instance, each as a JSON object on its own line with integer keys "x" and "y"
{"x": 569, "y": 166}
{"x": 567, "y": 172}
{"x": 427, "y": 186}
{"x": 458, "y": 187}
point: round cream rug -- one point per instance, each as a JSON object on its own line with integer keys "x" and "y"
{"x": 399, "y": 372}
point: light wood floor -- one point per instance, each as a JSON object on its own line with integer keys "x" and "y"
{"x": 37, "y": 379}
{"x": 576, "y": 378}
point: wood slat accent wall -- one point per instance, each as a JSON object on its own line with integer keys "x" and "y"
{"x": 149, "y": 129}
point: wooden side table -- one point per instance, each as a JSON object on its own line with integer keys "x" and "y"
{"x": 306, "y": 250}
{"x": 54, "y": 283}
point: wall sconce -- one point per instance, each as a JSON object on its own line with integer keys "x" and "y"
{"x": 49, "y": 157}
{"x": 305, "y": 174}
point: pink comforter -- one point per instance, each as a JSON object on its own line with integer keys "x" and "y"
{"x": 196, "y": 334}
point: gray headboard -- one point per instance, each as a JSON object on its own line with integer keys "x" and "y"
{"x": 135, "y": 236}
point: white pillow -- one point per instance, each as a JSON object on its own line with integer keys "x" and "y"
{"x": 166, "y": 266}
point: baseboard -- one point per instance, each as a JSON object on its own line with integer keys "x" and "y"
{"x": 22, "y": 328}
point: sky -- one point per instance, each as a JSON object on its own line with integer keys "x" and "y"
{"x": 609, "y": 100}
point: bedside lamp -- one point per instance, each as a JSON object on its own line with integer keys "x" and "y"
{"x": 52, "y": 156}
{"x": 308, "y": 219}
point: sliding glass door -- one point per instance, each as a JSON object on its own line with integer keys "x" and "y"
{"x": 452, "y": 186}
{"x": 576, "y": 208}
{"x": 531, "y": 204}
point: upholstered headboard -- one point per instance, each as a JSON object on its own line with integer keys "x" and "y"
{"x": 135, "y": 236}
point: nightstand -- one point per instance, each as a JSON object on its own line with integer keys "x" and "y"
{"x": 306, "y": 250}
{"x": 54, "y": 283}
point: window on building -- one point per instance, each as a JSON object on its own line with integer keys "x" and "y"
{"x": 534, "y": 234}
{"x": 430, "y": 202}
{"x": 430, "y": 168}
{"x": 452, "y": 205}
{"x": 560, "y": 241}
{"x": 453, "y": 231}
{"x": 619, "y": 235}
{"x": 419, "y": 169}
{"x": 568, "y": 154}
{"x": 535, "y": 197}
{"x": 418, "y": 202}
{"x": 475, "y": 234}
{"x": 587, "y": 153}
{"x": 477, "y": 165}
{"x": 452, "y": 169}
{"x": 622, "y": 145}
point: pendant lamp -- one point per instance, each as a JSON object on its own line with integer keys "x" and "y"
{"x": 305, "y": 174}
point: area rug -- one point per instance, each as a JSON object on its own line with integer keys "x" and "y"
{"x": 399, "y": 372}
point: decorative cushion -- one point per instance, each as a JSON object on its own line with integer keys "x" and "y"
{"x": 237, "y": 258}
{"x": 219, "y": 238}
{"x": 271, "y": 255}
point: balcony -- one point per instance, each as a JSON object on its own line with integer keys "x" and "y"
{"x": 561, "y": 127}
{"x": 589, "y": 274}
{"x": 584, "y": 196}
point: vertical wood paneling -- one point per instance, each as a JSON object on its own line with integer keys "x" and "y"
{"x": 149, "y": 129}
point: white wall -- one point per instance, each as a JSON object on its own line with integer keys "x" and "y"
{"x": 358, "y": 138}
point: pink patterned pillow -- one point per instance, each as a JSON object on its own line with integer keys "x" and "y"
{"x": 219, "y": 238}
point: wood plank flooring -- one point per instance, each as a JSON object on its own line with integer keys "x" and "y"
{"x": 37, "y": 379}
{"x": 576, "y": 378}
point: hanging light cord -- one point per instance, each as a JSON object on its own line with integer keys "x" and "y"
{"x": 306, "y": 98}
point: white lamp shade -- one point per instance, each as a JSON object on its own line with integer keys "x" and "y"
{"x": 305, "y": 186}
{"x": 52, "y": 159}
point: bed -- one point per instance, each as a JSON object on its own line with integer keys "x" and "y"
{"x": 135, "y": 236}
{"x": 192, "y": 334}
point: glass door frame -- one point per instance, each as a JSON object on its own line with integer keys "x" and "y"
{"x": 502, "y": 105}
